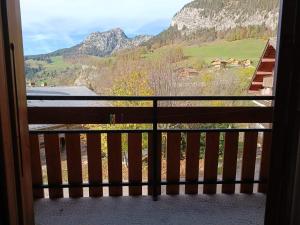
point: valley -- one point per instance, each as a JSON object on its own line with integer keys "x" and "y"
{"x": 101, "y": 73}
{"x": 210, "y": 47}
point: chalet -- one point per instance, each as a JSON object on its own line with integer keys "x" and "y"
{"x": 231, "y": 62}
{"x": 245, "y": 63}
{"x": 263, "y": 77}
{"x": 217, "y": 63}
{"x": 60, "y": 91}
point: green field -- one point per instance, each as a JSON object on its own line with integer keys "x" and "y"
{"x": 57, "y": 63}
{"x": 242, "y": 49}
{"x": 194, "y": 55}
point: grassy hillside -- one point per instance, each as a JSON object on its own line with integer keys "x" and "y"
{"x": 241, "y": 49}
{"x": 100, "y": 74}
{"x": 51, "y": 70}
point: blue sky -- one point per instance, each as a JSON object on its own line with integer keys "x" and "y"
{"x": 52, "y": 24}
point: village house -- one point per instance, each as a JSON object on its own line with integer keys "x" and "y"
{"x": 231, "y": 62}
{"x": 263, "y": 77}
{"x": 262, "y": 82}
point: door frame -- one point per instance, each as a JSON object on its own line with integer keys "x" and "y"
{"x": 9, "y": 204}
{"x": 16, "y": 181}
{"x": 282, "y": 201}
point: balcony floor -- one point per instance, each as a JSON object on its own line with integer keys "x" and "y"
{"x": 178, "y": 210}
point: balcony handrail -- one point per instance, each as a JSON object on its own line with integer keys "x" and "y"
{"x": 220, "y": 130}
{"x": 148, "y": 98}
{"x": 154, "y": 115}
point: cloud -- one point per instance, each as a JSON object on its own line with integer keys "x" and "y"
{"x": 60, "y": 21}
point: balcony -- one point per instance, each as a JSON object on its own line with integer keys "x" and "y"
{"x": 194, "y": 174}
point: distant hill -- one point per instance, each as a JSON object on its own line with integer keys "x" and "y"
{"x": 204, "y": 20}
{"x": 99, "y": 44}
{"x": 243, "y": 25}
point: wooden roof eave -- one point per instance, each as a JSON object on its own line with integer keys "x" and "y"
{"x": 260, "y": 61}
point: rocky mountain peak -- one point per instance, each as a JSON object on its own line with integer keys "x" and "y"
{"x": 116, "y": 32}
{"x": 108, "y": 42}
{"x": 222, "y": 15}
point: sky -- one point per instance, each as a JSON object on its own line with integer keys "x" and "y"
{"x": 49, "y": 25}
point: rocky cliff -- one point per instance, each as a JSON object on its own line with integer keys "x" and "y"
{"x": 224, "y": 15}
{"x": 107, "y": 43}
{"x": 99, "y": 44}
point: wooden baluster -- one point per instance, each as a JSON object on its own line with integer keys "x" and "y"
{"x": 114, "y": 148}
{"x": 173, "y": 162}
{"x": 36, "y": 167}
{"x": 135, "y": 162}
{"x": 53, "y": 161}
{"x": 94, "y": 164}
{"x": 192, "y": 162}
{"x": 74, "y": 164}
{"x": 265, "y": 161}
{"x": 230, "y": 161}
{"x": 249, "y": 158}
{"x": 158, "y": 166}
{"x": 211, "y": 162}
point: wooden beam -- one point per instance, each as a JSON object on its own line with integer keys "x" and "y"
{"x": 192, "y": 162}
{"x": 135, "y": 162}
{"x": 94, "y": 163}
{"x": 211, "y": 162}
{"x": 114, "y": 151}
{"x": 173, "y": 162}
{"x": 268, "y": 60}
{"x": 264, "y": 73}
{"x": 102, "y": 115}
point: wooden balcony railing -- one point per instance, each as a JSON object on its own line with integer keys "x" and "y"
{"x": 150, "y": 115}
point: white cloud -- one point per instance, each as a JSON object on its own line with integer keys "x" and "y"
{"x": 46, "y": 19}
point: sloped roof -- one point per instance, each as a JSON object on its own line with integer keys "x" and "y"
{"x": 60, "y": 91}
{"x": 273, "y": 42}
{"x": 265, "y": 67}
{"x": 63, "y": 91}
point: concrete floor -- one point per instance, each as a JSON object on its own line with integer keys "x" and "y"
{"x": 219, "y": 209}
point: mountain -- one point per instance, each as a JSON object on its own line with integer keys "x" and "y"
{"x": 223, "y": 15}
{"x": 100, "y": 44}
{"x": 204, "y": 20}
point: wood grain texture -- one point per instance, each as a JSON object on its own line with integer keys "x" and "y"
{"x": 249, "y": 158}
{"x": 114, "y": 148}
{"x": 53, "y": 161}
{"x": 94, "y": 164}
{"x": 150, "y": 164}
{"x": 74, "y": 164}
{"x": 265, "y": 162}
{"x": 173, "y": 162}
{"x": 211, "y": 162}
{"x": 230, "y": 161}
{"x": 9, "y": 208}
{"x": 192, "y": 162}
{"x": 17, "y": 100}
{"x": 101, "y": 115}
{"x": 36, "y": 166}
{"x": 135, "y": 162}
